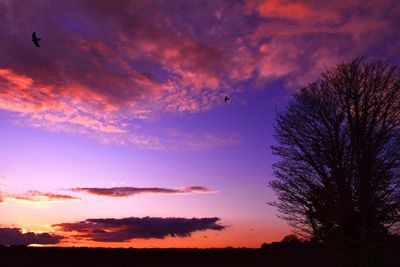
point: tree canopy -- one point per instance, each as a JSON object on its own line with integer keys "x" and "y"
{"x": 339, "y": 148}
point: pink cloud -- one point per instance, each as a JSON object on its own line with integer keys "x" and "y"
{"x": 104, "y": 69}
{"x": 36, "y": 197}
{"x": 128, "y": 191}
{"x": 303, "y": 38}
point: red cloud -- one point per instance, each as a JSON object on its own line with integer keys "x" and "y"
{"x": 286, "y": 9}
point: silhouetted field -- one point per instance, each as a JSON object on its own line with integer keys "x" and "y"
{"x": 276, "y": 254}
{"x": 93, "y": 257}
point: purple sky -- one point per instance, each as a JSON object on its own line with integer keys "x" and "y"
{"x": 125, "y": 98}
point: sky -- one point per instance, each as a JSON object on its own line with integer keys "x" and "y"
{"x": 115, "y": 133}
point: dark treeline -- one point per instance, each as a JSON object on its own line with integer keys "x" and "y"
{"x": 388, "y": 251}
{"x": 96, "y": 257}
{"x": 290, "y": 252}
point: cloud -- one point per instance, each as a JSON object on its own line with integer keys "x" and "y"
{"x": 103, "y": 83}
{"x": 277, "y": 8}
{"x": 108, "y": 71}
{"x": 298, "y": 40}
{"x": 120, "y": 230}
{"x": 15, "y": 236}
{"x": 33, "y": 196}
{"x": 131, "y": 191}
{"x": 36, "y": 197}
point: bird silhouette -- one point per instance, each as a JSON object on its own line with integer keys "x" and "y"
{"x": 226, "y": 99}
{"x": 35, "y": 40}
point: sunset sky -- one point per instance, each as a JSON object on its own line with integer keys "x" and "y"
{"x": 115, "y": 132}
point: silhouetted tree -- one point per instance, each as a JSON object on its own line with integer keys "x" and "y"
{"x": 291, "y": 239}
{"x": 339, "y": 143}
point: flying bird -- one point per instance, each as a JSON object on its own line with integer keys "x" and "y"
{"x": 35, "y": 40}
{"x": 226, "y": 99}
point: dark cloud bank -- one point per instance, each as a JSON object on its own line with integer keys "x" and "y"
{"x": 114, "y": 230}
{"x": 119, "y": 230}
{"x": 14, "y": 236}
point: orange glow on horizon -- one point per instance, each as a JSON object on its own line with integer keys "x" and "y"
{"x": 237, "y": 236}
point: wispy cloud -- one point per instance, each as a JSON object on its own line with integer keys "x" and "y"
{"x": 36, "y": 197}
{"x": 131, "y": 191}
{"x": 120, "y": 230}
